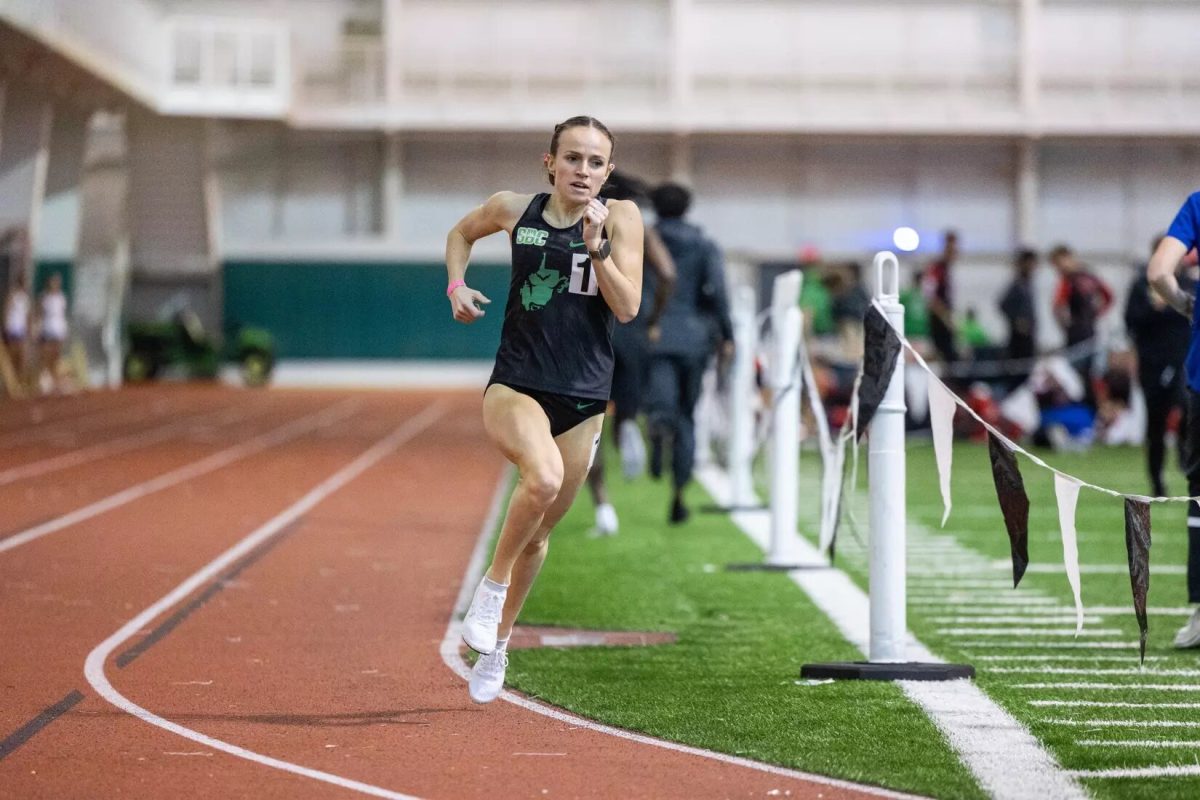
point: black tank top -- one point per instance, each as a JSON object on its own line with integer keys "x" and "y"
{"x": 557, "y": 334}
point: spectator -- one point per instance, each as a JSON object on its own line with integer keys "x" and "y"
{"x": 1081, "y": 300}
{"x": 52, "y": 317}
{"x": 938, "y": 292}
{"x": 1018, "y": 309}
{"x": 17, "y": 310}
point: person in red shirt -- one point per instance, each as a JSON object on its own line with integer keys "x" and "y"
{"x": 1081, "y": 299}
{"x": 937, "y": 291}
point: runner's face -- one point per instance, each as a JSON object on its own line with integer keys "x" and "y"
{"x": 581, "y": 165}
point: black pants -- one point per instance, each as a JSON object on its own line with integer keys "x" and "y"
{"x": 1163, "y": 389}
{"x": 1192, "y": 470}
{"x": 675, "y": 382}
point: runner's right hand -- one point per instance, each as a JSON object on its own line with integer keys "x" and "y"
{"x": 467, "y": 304}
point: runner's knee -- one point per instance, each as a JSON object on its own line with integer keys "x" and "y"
{"x": 543, "y": 481}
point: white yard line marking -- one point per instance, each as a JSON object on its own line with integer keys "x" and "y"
{"x": 1185, "y": 743}
{"x": 216, "y": 461}
{"x": 1110, "y": 687}
{"x": 94, "y": 666}
{"x": 1025, "y": 619}
{"x": 1173, "y": 673}
{"x": 974, "y": 599}
{"x": 1189, "y": 771}
{"x": 1064, "y": 632}
{"x": 1032, "y": 645}
{"x": 117, "y": 446}
{"x": 1006, "y": 759}
{"x": 1094, "y": 569}
{"x": 1107, "y": 704}
{"x": 1124, "y": 723}
{"x": 452, "y": 659}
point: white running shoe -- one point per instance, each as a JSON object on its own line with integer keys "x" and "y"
{"x": 1189, "y": 635}
{"x": 606, "y": 520}
{"x": 487, "y": 677}
{"x": 483, "y": 618}
{"x": 633, "y": 450}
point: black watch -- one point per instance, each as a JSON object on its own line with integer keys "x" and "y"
{"x": 603, "y": 251}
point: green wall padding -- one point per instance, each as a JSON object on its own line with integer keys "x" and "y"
{"x": 43, "y": 270}
{"x": 378, "y": 310}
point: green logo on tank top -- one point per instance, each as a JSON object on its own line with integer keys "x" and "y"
{"x": 532, "y": 236}
{"x": 540, "y": 287}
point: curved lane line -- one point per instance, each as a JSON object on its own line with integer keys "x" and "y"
{"x": 94, "y": 665}
{"x": 452, "y": 659}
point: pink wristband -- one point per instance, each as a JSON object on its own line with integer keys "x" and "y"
{"x": 454, "y": 285}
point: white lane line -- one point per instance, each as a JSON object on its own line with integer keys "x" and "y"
{"x": 120, "y": 415}
{"x": 1173, "y": 673}
{"x": 1109, "y": 687}
{"x": 1189, "y": 771}
{"x": 1124, "y": 723}
{"x": 94, "y": 666}
{"x": 216, "y": 461}
{"x": 1028, "y": 645}
{"x": 122, "y": 444}
{"x": 452, "y": 659}
{"x": 1023, "y": 619}
{"x": 1107, "y": 704}
{"x": 1006, "y": 759}
{"x": 1130, "y": 659}
{"x": 1181, "y": 744}
{"x": 1063, "y": 632}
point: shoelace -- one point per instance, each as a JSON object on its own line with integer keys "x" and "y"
{"x": 490, "y": 608}
{"x": 493, "y": 663}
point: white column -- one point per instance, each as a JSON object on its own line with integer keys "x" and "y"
{"x": 393, "y": 20}
{"x": 1028, "y": 186}
{"x": 392, "y": 190}
{"x": 681, "y": 158}
{"x": 679, "y": 76}
{"x": 1029, "y": 20}
{"x": 886, "y": 490}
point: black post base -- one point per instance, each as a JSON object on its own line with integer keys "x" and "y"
{"x": 712, "y": 508}
{"x": 763, "y": 566}
{"x": 872, "y": 671}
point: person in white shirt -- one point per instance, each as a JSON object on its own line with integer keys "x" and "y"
{"x": 52, "y": 308}
{"x": 16, "y": 322}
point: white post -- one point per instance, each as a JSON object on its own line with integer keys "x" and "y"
{"x": 741, "y": 396}
{"x": 889, "y": 625}
{"x": 785, "y": 436}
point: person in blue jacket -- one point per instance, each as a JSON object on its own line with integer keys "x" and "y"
{"x": 694, "y": 324}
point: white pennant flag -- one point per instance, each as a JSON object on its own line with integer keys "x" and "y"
{"x": 1067, "y": 492}
{"x": 941, "y": 417}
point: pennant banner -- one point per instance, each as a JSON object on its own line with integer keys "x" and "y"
{"x": 1014, "y": 503}
{"x": 1067, "y": 492}
{"x": 881, "y": 348}
{"x": 941, "y": 417}
{"x": 1137, "y": 546}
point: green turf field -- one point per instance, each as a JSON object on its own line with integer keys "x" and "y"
{"x": 730, "y": 683}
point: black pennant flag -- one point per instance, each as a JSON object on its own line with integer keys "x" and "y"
{"x": 1014, "y": 503}
{"x": 1137, "y": 545}
{"x": 881, "y": 348}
